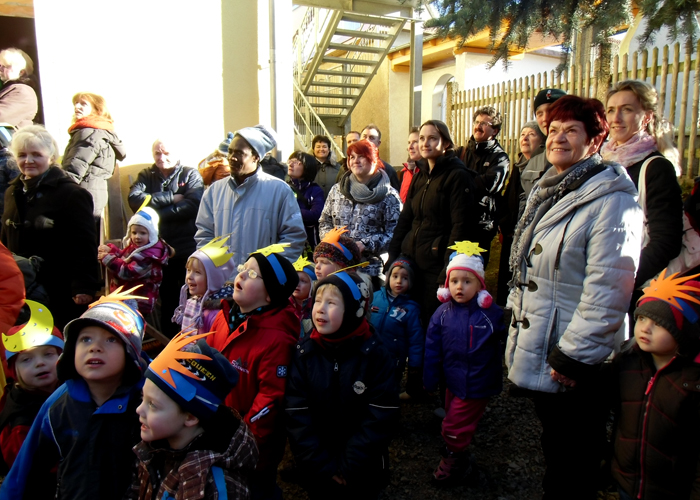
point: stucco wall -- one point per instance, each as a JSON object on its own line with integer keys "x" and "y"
{"x": 471, "y": 71}
{"x": 374, "y": 108}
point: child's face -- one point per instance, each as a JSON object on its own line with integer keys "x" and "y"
{"x": 653, "y": 338}
{"x": 250, "y": 293}
{"x": 196, "y": 278}
{"x": 36, "y": 368}
{"x": 160, "y": 416}
{"x": 328, "y": 310}
{"x": 324, "y": 267}
{"x": 100, "y": 355}
{"x": 464, "y": 285}
{"x": 301, "y": 292}
{"x": 398, "y": 281}
{"x": 138, "y": 235}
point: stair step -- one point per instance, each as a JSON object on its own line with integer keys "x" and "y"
{"x": 345, "y": 60}
{"x": 339, "y": 106}
{"x": 359, "y": 18}
{"x": 329, "y": 96}
{"x": 342, "y": 73}
{"x": 338, "y": 84}
{"x": 362, "y": 34}
{"x": 356, "y": 48}
{"x": 342, "y": 115}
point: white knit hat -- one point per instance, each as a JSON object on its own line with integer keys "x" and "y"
{"x": 148, "y": 218}
{"x": 475, "y": 265}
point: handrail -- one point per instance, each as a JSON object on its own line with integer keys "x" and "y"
{"x": 307, "y": 123}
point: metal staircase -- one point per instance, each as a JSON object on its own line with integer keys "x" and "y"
{"x": 336, "y": 55}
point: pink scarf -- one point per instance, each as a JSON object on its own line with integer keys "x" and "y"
{"x": 638, "y": 147}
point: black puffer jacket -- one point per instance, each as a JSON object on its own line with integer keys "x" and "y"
{"x": 177, "y": 220}
{"x": 89, "y": 160}
{"x": 438, "y": 211}
{"x": 342, "y": 409}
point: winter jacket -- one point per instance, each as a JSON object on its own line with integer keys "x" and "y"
{"x": 463, "y": 343}
{"x": 393, "y": 176}
{"x": 8, "y": 171}
{"x": 509, "y": 210}
{"x": 91, "y": 445}
{"x": 372, "y": 224}
{"x": 311, "y": 199}
{"x": 260, "y": 349}
{"x": 187, "y": 474}
{"x": 397, "y": 324}
{"x": 18, "y": 103}
{"x": 326, "y": 175}
{"x": 143, "y": 268}
{"x": 657, "y": 438}
{"x": 533, "y": 172}
{"x": 54, "y": 220}
{"x": 259, "y": 212}
{"x": 341, "y": 408}
{"x": 90, "y": 157}
{"x": 405, "y": 177}
{"x": 491, "y": 164}
{"x": 18, "y": 413}
{"x": 11, "y": 291}
{"x": 437, "y": 213}
{"x": 303, "y": 314}
{"x": 177, "y": 220}
{"x": 576, "y": 282}
{"x": 664, "y": 216}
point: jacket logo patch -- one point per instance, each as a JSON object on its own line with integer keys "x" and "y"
{"x": 398, "y": 313}
{"x": 240, "y": 365}
{"x": 281, "y": 371}
{"x": 359, "y": 387}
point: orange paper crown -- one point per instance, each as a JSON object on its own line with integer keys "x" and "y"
{"x": 170, "y": 358}
{"x": 672, "y": 290}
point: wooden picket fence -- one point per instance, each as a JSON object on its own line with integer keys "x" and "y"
{"x": 513, "y": 98}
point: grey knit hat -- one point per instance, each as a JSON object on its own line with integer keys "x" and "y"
{"x": 261, "y": 138}
{"x": 223, "y": 147}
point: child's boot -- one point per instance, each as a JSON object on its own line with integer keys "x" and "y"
{"x": 454, "y": 467}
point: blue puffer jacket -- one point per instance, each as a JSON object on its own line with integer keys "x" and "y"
{"x": 397, "y": 325}
{"x": 463, "y": 342}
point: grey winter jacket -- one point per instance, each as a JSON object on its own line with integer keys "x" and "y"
{"x": 576, "y": 282}
{"x": 89, "y": 160}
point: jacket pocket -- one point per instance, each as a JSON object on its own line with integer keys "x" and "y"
{"x": 436, "y": 247}
{"x": 552, "y": 337}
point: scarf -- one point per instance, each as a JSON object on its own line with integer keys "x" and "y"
{"x": 638, "y": 147}
{"x": 372, "y": 192}
{"x": 92, "y": 121}
{"x": 31, "y": 183}
{"x": 546, "y": 193}
{"x": 334, "y": 339}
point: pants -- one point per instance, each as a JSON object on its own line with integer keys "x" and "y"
{"x": 173, "y": 280}
{"x": 461, "y": 419}
{"x": 573, "y": 441}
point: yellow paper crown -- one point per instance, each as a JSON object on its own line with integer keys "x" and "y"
{"x": 171, "y": 356}
{"x": 671, "y": 289}
{"x": 301, "y": 263}
{"x": 119, "y": 296}
{"x": 361, "y": 264}
{"x": 276, "y": 248}
{"x": 37, "y": 330}
{"x": 217, "y": 250}
{"x": 467, "y": 248}
{"x": 145, "y": 203}
{"x": 332, "y": 237}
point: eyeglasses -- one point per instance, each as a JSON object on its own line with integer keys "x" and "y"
{"x": 483, "y": 124}
{"x": 250, "y": 272}
{"x": 293, "y": 163}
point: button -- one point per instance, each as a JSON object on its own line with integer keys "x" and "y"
{"x": 538, "y": 249}
{"x": 526, "y": 323}
{"x": 120, "y": 407}
{"x": 298, "y": 346}
{"x": 302, "y": 351}
{"x": 685, "y": 384}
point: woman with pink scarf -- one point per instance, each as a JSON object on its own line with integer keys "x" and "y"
{"x": 642, "y": 141}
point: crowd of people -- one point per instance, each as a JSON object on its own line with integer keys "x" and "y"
{"x": 298, "y": 304}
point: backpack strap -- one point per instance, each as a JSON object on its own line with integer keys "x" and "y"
{"x": 219, "y": 481}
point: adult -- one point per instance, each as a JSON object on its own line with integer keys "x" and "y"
{"x": 18, "y": 102}
{"x": 329, "y": 169}
{"x": 255, "y": 208}
{"x": 485, "y": 156}
{"x": 372, "y": 134}
{"x": 49, "y": 216}
{"x": 411, "y": 166}
{"x": 642, "y": 140}
{"x": 531, "y": 142}
{"x": 435, "y": 215}
{"x": 93, "y": 149}
{"x": 301, "y": 173}
{"x": 536, "y": 168}
{"x": 351, "y": 138}
{"x": 365, "y": 203}
{"x": 175, "y": 192}
{"x": 574, "y": 257}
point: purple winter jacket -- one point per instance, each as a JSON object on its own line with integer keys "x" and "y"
{"x": 463, "y": 341}
{"x": 311, "y": 200}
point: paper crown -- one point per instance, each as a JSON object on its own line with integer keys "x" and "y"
{"x": 672, "y": 290}
{"x": 172, "y": 360}
{"x": 332, "y": 237}
{"x": 275, "y": 248}
{"x": 217, "y": 250}
{"x": 119, "y": 296}
{"x": 466, "y": 248}
{"x": 145, "y": 203}
{"x": 301, "y": 263}
{"x": 37, "y": 332}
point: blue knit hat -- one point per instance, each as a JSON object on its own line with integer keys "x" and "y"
{"x": 261, "y": 138}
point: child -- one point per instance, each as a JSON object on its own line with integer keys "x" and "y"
{"x": 396, "y": 319}
{"x": 341, "y": 401}
{"x": 193, "y": 446}
{"x": 215, "y": 166}
{"x": 335, "y": 252}
{"x": 142, "y": 259}
{"x": 257, "y": 334}
{"x": 302, "y": 293}
{"x": 463, "y": 344}
{"x": 657, "y": 380}
{"x": 32, "y": 350}
{"x": 207, "y": 271}
{"x": 89, "y": 424}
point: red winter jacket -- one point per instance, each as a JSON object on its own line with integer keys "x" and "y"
{"x": 260, "y": 349}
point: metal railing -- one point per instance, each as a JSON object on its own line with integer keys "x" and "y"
{"x": 307, "y": 124}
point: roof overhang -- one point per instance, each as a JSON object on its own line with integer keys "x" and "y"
{"x": 17, "y": 8}
{"x": 393, "y": 8}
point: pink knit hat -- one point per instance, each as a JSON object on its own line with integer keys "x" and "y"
{"x": 475, "y": 265}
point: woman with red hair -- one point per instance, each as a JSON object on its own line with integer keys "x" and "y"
{"x": 364, "y": 201}
{"x": 574, "y": 257}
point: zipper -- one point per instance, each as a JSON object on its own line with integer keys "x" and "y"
{"x": 335, "y": 367}
{"x": 420, "y": 207}
{"x": 471, "y": 337}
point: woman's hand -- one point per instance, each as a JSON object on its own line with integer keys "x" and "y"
{"x": 340, "y": 480}
{"x": 82, "y": 298}
{"x": 102, "y": 252}
{"x": 360, "y": 246}
{"x": 562, "y": 379}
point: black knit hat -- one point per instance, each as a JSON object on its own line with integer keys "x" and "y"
{"x": 404, "y": 263}
{"x": 356, "y": 297}
{"x": 279, "y": 276}
{"x": 546, "y": 96}
{"x": 193, "y": 374}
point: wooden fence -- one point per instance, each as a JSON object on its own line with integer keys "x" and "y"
{"x": 513, "y": 98}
